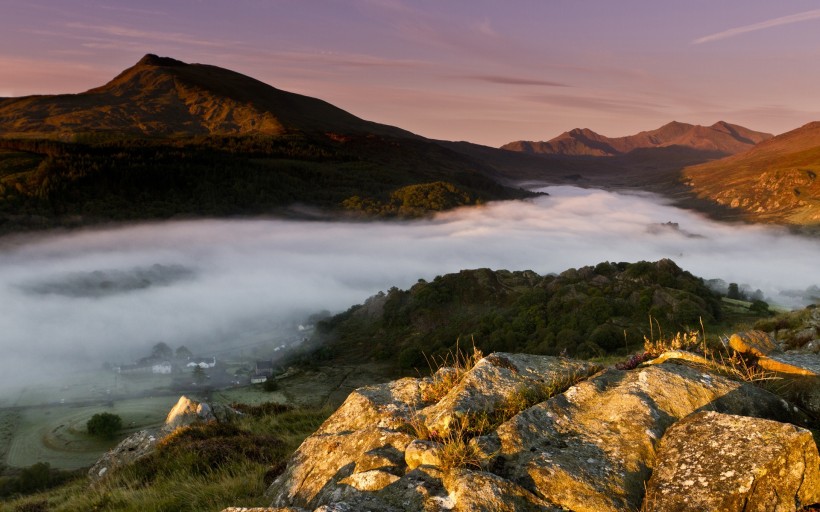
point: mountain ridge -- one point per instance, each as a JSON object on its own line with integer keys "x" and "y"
{"x": 162, "y": 96}
{"x": 721, "y": 137}
{"x": 776, "y": 181}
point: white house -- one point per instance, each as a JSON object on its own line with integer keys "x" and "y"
{"x": 202, "y": 363}
{"x": 163, "y": 368}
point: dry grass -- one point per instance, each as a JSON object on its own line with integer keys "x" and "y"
{"x": 448, "y": 371}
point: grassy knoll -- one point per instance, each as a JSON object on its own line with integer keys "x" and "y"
{"x": 199, "y": 469}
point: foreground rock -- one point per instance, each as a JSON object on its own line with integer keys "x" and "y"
{"x": 590, "y": 448}
{"x": 593, "y": 447}
{"x": 142, "y": 443}
{"x": 800, "y": 369}
{"x": 712, "y": 461}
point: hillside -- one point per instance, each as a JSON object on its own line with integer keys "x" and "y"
{"x": 168, "y": 139}
{"x": 161, "y": 96}
{"x": 585, "y": 312}
{"x": 775, "y": 181}
{"x": 720, "y": 139}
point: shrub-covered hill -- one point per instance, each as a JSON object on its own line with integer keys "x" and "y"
{"x": 586, "y": 312}
{"x": 166, "y": 138}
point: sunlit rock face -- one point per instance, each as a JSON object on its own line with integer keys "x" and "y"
{"x": 712, "y": 461}
{"x": 408, "y": 445}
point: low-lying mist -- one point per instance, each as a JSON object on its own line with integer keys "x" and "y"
{"x": 78, "y": 299}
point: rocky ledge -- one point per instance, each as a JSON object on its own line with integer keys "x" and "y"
{"x": 521, "y": 432}
{"x": 144, "y": 442}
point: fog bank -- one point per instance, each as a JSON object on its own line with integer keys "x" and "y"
{"x": 111, "y": 294}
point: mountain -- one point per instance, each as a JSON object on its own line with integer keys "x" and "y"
{"x": 776, "y": 181}
{"x": 718, "y": 140}
{"x": 168, "y": 139}
{"x": 161, "y": 96}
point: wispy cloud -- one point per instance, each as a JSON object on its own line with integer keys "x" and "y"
{"x": 512, "y": 80}
{"x": 775, "y": 22}
{"x": 596, "y": 103}
{"x": 148, "y": 35}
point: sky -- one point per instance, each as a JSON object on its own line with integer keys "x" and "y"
{"x": 67, "y": 302}
{"x": 485, "y": 71}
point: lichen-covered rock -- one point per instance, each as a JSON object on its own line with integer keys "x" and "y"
{"x": 130, "y": 449}
{"x": 711, "y": 461}
{"x": 590, "y": 448}
{"x": 388, "y": 405}
{"x": 478, "y": 491}
{"x": 593, "y": 447}
{"x": 493, "y": 380}
{"x": 330, "y": 467}
{"x": 422, "y": 453}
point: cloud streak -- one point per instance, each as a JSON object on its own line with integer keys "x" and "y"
{"x": 774, "y": 22}
{"x": 512, "y": 80}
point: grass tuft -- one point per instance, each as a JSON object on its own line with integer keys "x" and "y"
{"x": 448, "y": 370}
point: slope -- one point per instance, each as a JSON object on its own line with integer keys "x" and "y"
{"x": 160, "y": 96}
{"x": 774, "y": 182}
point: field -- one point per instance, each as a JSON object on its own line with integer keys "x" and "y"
{"x": 47, "y": 423}
{"x": 56, "y": 434}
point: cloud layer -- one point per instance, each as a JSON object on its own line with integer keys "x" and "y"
{"x": 233, "y": 282}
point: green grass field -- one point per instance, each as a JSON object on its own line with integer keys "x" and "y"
{"x": 56, "y": 434}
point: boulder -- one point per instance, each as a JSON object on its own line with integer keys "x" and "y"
{"x": 142, "y": 443}
{"x": 187, "y": 412}
{"x": 389, "y": 405}
{"x": 593, "y": 447}
{"x": 753, "y": 343}
{"x": 791, "y": 364}
{"x": 130, "y": 449}
{"x": 479, "y": 491}
{"x": 493, "y": 380}
{"x": 590, "y": 448}
{"x": 712, "y": 461}
{"x": 330, "y": 467}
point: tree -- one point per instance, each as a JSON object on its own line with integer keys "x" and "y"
{"x": 270, "y": 385}
{"x": 184, "y": 353}
{"x": 161, "y": 351}
{"x": 733, "y": 292}
{"x": 104, "y": 425}
{"x": 199, "y": 375}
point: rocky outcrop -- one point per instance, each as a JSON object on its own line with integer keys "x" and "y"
{"x": 592, "y": 447}
{"x": 712, "y": 461}
{"x": 142, "y": 443}
{"x": 799, "y": 369}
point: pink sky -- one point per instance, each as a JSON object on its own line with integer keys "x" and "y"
{"x": 485, "y": 71}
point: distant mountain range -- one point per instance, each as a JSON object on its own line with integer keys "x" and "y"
{"x": 169, "y": 139}
{"x": 721, "y": 138}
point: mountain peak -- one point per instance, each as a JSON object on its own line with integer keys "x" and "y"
{"x": 160, "y": 96}
{"x": 154, "y": 60}
{"x": 722, "y": 138}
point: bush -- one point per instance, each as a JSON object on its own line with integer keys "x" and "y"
{"x": 104, "y": 425}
